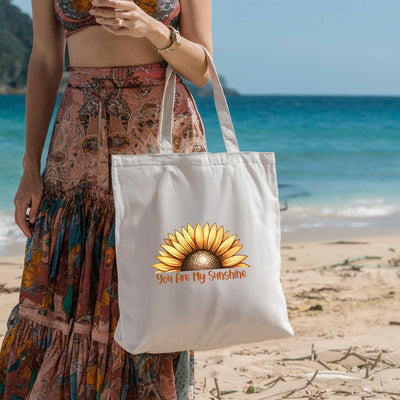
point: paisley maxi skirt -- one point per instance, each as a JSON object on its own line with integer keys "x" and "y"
{"x": 59, "y": 340}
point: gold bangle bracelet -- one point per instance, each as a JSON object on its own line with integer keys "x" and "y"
{"x": 175, "y": 42}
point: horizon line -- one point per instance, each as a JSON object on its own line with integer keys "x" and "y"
{"x": 316, "y": 95}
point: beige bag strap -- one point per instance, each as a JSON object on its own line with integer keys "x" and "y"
{"x": 224, "y": 116}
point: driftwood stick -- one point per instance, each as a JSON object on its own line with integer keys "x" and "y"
{"x": 313, "y": 353}
{"x": 325, "y": 365}
{"x": 353, "y": 353}
{"x": 371, "y": 265}
{"x": 348, "y": 351}
{"x": 297, "y": 359}
{"x": 386, "y": 392}
{"x": 377, "y": 359}
{"x": 289, "y": 391}
{"x": 289, "y": 394}
{"x": 217, "y": 387}
{"x": 313, "y": 377}
{"x": 349, "y": 260}
{"x": 272, "y": 383}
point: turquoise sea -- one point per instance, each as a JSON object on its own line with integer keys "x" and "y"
{"x": 337, "y": 158}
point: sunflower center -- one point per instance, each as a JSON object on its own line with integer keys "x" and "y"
{"x": 201, "y": 259}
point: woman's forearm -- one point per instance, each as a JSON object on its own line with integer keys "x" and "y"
{"x": 188, "y": 59}
{"x": 43, "y": 82}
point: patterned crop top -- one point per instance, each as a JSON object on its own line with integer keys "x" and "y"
{"x": 74, "y": 14}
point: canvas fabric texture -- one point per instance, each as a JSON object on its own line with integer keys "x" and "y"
{"x": 197, "y": 243}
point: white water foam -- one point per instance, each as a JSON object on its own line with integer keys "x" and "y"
{"x": 358, "y": 208}
{"x": 9, "y": 230}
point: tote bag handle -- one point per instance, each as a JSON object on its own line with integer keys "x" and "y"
{"x": 224, "y": 116}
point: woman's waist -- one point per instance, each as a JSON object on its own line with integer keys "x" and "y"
{"x": 118, "y": 76}
{"x": 101, "y": 58}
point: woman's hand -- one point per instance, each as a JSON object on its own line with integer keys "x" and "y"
{"x": 28, "y": 195}
{"x": 188, "y": 60}
{"x": 136, "y": 23}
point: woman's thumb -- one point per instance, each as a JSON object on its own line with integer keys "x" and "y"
{"x": 34, "y": 209}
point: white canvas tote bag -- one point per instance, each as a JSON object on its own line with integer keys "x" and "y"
{"x": 197, "y": 243}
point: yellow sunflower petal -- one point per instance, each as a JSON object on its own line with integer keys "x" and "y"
{"x": 169, "y": 242}
{"x": 163, "y": 253}
{"x": 172, "y": 237}
{"x": 163, "y": 267}
{"x": 231, "y": 252}
{"x": 225, "y": 245}
{"x": 198, "y": 235}
{"x": 173, "y": 251}
{"x": 183, "y": 242}
{"x": 218, "y": 239}
{"x": 190, "y": 230}
{"x": 166, "y": 272}
{"x": 212, "y": 235}
{"x": 188, "y": 239}
{"x": 232, "y": 261}
{"x": 173, "y": 262}
{"x": 206, "y": 231}
{"x": 226, "y": 235}
{"x": 235, "y": 243}
{"x": 240, "y": 265}
{"x": 180, "y": 248}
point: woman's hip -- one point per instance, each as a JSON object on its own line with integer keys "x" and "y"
{"x": 115, "y": 110}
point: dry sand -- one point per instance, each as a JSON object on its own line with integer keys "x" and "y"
{"x": 346, "y": 320}
{"x": 343, "y": 318}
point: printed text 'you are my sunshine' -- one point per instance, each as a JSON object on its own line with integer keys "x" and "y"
{"x": 200, "y": 277}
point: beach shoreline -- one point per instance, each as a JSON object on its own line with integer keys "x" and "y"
{"x": 293, "y": 230}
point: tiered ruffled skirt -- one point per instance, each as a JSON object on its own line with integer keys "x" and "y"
{"x": 59, "y": 342}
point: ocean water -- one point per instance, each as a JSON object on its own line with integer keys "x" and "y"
{"x": 337, "y": 158}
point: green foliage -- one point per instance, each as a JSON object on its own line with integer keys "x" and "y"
{"x": 15, "y": 44}
{"x": 207, "y": 90}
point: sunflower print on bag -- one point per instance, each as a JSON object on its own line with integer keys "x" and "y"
{"x": 198, "y": 249}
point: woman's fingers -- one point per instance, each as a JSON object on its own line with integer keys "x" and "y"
{"x": 20, "y": 217}
{"x": 108, "y": 17}
{"x": 27, "y": 201}
{"x": 108, "y": 21}
{"x": 119, "y": 4}
{"x": 34, "y": 208}
{"x": 109, "y": 13}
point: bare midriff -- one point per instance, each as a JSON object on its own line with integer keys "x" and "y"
{"x": 93, "y": 46}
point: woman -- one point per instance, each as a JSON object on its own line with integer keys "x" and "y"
{"x": 59, "y": 341}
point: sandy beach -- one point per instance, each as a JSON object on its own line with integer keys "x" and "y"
{"x": 343, "y": 299}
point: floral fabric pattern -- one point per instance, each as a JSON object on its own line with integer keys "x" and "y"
{"x": 59, "y": 342}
